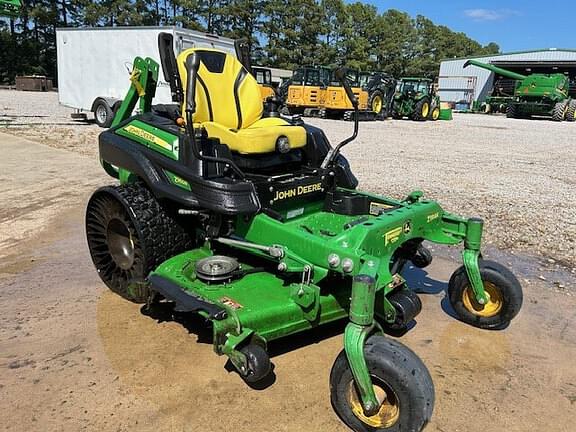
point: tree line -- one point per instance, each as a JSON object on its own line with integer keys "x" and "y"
{"x": 281, "y": 33}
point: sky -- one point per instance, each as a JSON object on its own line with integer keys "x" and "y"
{"x": 513, "y": 24}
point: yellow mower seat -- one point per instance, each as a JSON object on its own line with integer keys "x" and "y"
{"x": 229, "y": 105}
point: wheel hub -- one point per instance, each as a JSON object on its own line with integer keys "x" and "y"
{"x": 389, "y": 411}
{"x": 101, "y": 114}
{"x": 377, "y": 105}
{"x": 493, "y": 304}
{"x": 120, "y": 243}
{"x": 425, "y": 110}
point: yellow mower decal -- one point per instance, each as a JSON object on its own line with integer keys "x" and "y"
{"x": 136, "y": 131}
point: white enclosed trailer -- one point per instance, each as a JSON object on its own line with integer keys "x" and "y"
{"x": 94, "y": 64}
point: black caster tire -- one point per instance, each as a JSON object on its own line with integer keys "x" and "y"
{"x": 423, "y": 257}
{"x": 259, "y": 366}
{"x": 397, "y": 373}
{"x": 129, "y": 234}
{"x": 501, "y": 285}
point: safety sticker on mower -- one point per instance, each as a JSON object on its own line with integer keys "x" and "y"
{"x": 392, "y": 236}
{"x": 227, "y": 301}
{"x": 376, "y": 208}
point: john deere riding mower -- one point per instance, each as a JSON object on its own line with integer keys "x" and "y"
{"x": 536, "y": 94}
{"x": 254, "y": 222}
{"x": 416, "y": 99}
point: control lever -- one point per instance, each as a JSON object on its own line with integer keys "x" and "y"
{"x": 333, "y": 153}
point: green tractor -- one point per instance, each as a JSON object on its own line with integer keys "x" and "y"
{"x": 253, "y": 221}
{"x": 416, "y": 99}
{"x": 536, "y": 94}
{"x": 380, "y": 88}
{"x": 10, "y": 8}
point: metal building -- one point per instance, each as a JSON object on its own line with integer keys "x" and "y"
{"x": 466, "y": 86}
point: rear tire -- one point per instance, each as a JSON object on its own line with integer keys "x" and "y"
{"x": 421, "y": 110}
{"x": 376, "y": 104}
{"x": 571, "y": 112}
{"x": 397, "y": 373}
{"x": 129, "y": 234}
{"x": 512, "y": 111}
{"x": 560, "y": 111}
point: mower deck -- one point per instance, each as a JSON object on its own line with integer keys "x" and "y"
{"x": 284, "y": 293}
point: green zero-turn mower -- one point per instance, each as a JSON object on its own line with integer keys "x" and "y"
{"x": 254, "y": 222}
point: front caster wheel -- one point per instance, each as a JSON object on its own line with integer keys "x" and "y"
{"x": 422, "y": 258}
{"x": 259, "y": 366}
{"x": 401, "y": 382}
{"x": 504, "y": 296}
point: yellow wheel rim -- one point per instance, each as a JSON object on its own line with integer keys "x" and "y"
{"x": 425, "y": 109}
{"x": 492, "y": 307}
{"x": 435, "y": 113}
{"x": 377, "y": 104}
{"x": 389, "y": 411}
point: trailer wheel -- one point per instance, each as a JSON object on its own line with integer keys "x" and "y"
{"x": 103, "y": 114}
{"x": 571, "y": 112}
{"x": 560, "y": 111}
{"x": 401, "y": 382}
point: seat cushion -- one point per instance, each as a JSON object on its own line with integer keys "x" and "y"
{"x": 226, "y": 92}
{"x": 260, "y": 137}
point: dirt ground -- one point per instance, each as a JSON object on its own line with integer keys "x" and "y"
{"x": 75, "y": 357}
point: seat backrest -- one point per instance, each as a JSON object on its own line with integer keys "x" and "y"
{"x": 226, "y": 93}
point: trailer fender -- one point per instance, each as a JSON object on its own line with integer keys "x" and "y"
{"x": 113, "y": 103}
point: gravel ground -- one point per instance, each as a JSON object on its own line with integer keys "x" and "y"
{"x": 518, "y": 175}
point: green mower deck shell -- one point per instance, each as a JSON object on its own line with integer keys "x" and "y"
{"x": 273, "y": 308}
